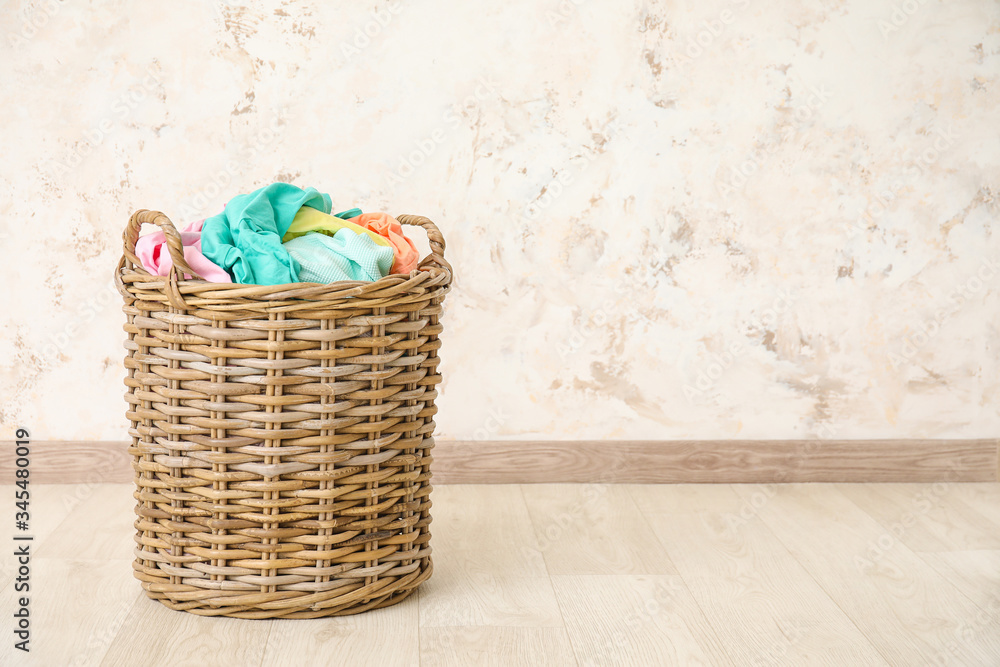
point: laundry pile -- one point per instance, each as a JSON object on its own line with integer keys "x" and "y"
{"x": 284, "y": 234}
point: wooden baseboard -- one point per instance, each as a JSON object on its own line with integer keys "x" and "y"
{"x": 609, "y": 461}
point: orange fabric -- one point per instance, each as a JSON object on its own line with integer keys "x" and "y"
{"x": 405, "y": 255}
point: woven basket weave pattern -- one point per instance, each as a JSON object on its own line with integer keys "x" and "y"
{"x": 281, "y": 436}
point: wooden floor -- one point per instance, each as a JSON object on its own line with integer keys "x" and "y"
{"x": 796, "y": 574}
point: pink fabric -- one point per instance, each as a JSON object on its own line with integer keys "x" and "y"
{"x": 405, "y": 253}
{"x": 152, "y": 251}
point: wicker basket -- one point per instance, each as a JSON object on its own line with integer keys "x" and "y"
{"x": 281, "y": 435}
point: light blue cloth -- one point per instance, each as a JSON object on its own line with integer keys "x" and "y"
{"x": 346, "y": 255}
{"x": 245, "y": 239}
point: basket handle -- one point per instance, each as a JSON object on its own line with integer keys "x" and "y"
{"x": 175, "y": 246}
{"x": 434, "y": 237}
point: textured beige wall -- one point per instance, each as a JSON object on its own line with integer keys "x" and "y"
{"x": 733, "y": 219}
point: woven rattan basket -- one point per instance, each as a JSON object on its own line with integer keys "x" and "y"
{"x": 281, "y": 435}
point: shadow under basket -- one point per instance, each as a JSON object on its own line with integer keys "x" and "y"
{"x": 281, "y": 435}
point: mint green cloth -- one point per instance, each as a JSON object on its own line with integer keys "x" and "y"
{"x": 245, "y": 239}
{"x": 346, "y": 255}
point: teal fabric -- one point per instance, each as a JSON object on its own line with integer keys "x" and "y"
{"x": 245, "y": 239}
{"x": 346, "y": 255}
{"x": 348, "y": 214}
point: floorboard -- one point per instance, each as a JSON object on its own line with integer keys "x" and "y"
{"x": 571, "y": 574}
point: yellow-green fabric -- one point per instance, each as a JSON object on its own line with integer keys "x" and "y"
{"x": 312, "y": 220}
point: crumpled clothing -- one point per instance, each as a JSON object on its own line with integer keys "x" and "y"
{"x": 346, "y": 255}
{"x": 151, "y": 249}
{"x": 245, "y": 239}
{"x": 383, "y": 224}
{"x": 310, "y": 220}
{"x": 349, "y": 213}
